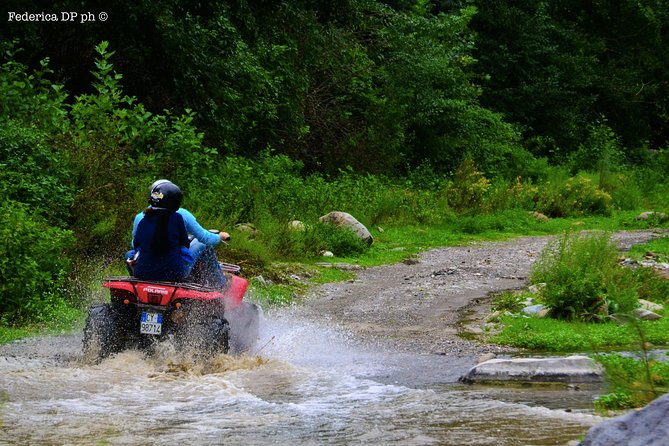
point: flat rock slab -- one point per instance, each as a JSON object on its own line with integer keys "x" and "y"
{"x": 570, "y": 369}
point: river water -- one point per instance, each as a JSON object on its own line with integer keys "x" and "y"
{"x": 307, "y": 384}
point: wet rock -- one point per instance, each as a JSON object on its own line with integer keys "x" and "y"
{"x": 648, "y": 427}
{"x": 343, "y": 219}
{"x": 570, "y": 369}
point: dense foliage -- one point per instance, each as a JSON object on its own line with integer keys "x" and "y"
{"x": 401, "y": 113}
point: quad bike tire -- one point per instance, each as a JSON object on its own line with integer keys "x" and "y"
{"x": 244, "y": 327}
{"x": 209, "y": 337}
{"x": 101, "y": 333}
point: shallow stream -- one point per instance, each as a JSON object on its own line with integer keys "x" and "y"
{"x": 307, "y": 384}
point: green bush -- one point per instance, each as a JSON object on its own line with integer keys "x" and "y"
{"x": 583, "y": 279}
{"x": 30, "y": 99}
{"x": 33, "y": 173}
{"x": 34, "y": 268}
{"x": 576, "y": 196}
{"x": 468, "y": 189}
{"x": 510, "y": 301}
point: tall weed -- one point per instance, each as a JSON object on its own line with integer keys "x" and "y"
{"x": 583, "y": 279}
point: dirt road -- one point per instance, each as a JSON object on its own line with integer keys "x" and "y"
{"x": 422, "y": 306}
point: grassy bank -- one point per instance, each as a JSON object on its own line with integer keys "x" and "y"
{"x": 591, "y": 301}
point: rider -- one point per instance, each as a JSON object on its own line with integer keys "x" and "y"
{"x": 201, "y": 246}
{"x": 161, "y": 236}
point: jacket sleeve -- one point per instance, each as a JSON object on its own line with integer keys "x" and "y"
{"x": 194, "y": 228}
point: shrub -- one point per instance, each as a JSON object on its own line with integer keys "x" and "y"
{"x": 510, "y": 301}
{"x": 519, "y": 194}
{"x": 583, "y": 279}
{"x": 468, "y": 188}
{"x": 576, "y": 197}
{"x": 34, "y": 267}
{"x": 33, "y": 173}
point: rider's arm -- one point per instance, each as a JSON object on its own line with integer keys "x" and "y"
{"x": 194, "y": 228}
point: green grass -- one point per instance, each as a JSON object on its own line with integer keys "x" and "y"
{"x": 331, "y": 275}
{"x": 632, "y": 381}
{"x": 63, "y": 320}
{"x": 550, "y": 335}
{"x": 659, "y": 247}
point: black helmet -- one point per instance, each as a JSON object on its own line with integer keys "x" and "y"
{"x": 165, "y": 194}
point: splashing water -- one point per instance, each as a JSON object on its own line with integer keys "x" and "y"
{"x": 305, "y": 384}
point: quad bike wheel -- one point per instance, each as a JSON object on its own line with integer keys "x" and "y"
{"x": 101, "y": 332}
{"x": 209, "y": 336}
{"x": 244, "y": 327}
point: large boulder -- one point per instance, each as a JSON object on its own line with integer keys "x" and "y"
{"x": 648, "y": 427}
{"x": 570, "y": 369}
{"x": 342, "y": 219}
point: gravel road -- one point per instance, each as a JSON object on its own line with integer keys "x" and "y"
{"x": 422, "y": 306}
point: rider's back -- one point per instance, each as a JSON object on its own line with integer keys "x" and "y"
{"x": 159, "y": 239}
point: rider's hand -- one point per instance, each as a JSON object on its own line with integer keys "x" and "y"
{"x": 225, "y": 237}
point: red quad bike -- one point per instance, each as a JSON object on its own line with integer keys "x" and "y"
{"x": 193, "y": 316}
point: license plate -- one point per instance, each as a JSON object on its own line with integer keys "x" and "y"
{"x": 152, "y": 323}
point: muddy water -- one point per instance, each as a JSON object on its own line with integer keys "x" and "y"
{"x": 307, "y": 384}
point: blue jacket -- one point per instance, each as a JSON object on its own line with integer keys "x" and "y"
{"x": 159, "y": 237}
{"x": 192, "y": 226}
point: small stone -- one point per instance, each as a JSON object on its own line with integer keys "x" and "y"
{"x": 646, "y": 315}
{"x": 297, "y": 225}
{"x": 536, "y": 288}
{"x": 538, "y": 216}
{"x": 533, "y": 309}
